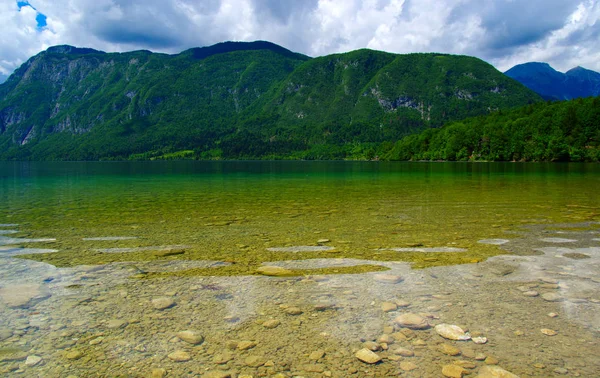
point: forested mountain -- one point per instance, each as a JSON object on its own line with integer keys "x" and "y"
{"x": 553, "y": 131}
{"x": 553, "y": 85}
{"x": 236, "y": 100}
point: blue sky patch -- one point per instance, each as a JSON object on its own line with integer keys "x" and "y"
{"x": 40, "y": 18}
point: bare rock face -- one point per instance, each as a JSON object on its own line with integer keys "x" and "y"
{"x": 412, "y": 321}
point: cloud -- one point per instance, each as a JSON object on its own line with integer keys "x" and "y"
{"x": 503, "y": 32}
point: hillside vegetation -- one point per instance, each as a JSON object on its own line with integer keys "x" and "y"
{"x": 238, "y": 100}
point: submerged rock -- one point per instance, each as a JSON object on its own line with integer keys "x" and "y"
{"x": 494, "y": 372}
{"x": 191, "y": 337}
{"x": 388, "y": 278}
{"x": 412, "y": 321}
{"x": 452, "y": 332}
{"x": 273, "y": 271}
{"x": 22, "y": 296}
{"x": 368, "y": 356}
{"x": 162, "y": 303}
{"x": 179, "y": 356}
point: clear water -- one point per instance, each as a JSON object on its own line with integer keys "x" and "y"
{"x": 98, "y": 241}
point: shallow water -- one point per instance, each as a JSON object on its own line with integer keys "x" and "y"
{"x": 99, "y": 241}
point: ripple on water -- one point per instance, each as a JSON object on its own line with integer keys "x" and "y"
{"x": 558, "y": 240}
{"x": 11, "y": 251}
{"x": 433, "y": 249}
{"x": 8, "y": 232}
{"x": 494, "y": 241}
{"x": 302, "y": 248}
{"x": 110, "y": 238}
{"x": 8, "y": 225}
{"x": 323, "y": 263}
{"x": 8, "y": 241}
{"x": 142, "y": 249}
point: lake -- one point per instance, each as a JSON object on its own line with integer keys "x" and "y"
{"x": 295, "y": 268}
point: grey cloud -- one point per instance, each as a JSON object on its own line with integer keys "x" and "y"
{"x": 283, "y": 11}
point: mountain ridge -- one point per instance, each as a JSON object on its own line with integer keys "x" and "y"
{"x": 235, "y": 100}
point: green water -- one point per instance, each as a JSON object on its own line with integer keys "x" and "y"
{"x": 235, "y": 211}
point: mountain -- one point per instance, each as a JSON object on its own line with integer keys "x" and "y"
{"x": 554, "y": 85}
{"x": 236, "y": 100}
{"x": 3, "y": 78}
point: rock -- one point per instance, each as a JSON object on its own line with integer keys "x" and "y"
{"x": 401, "y": 304}
{"x": 531, "y": 293}
{"x": 452, "y": 332}
{"x": 385, "y": 339}
{"x": 454, "y": 371}
{"x": 275, "y": 271}
{"x": 367, "y": 356}
{"x": 553, "y": 314}
{"x": 412, "y": 321}
{"x": 321, "y": 241}
{"x": 549, "y": 332}
{"x": 5, "y": 334}
{"x": 222, "y": 358}
{"x": 163, "y": 303}
{"x": 317, "y": 355}
{"x": 254, "y": 361}
{"x": 494, "y": 372}
{"x": 191, "y": 337}
{"x": 313, "y": 368}
{"x": 403, "y": 352}
{"x": 388, "y": 307}
{"x": 480, "y": 340}
{"x": 73, "y": 355}
{"x": 22, "y": 296}
{"x": 408, "y": 366}
{"x": 217, "y": 374}
{"x": 490, "y": 360}
{"x": 116, "y": 324}
{"x": 449, "y": 350}
{"x": 33, "y": 360}
{"x": 180, "y": 356}
{"x": 270, "y": 324}
{"x": 388, "y": 278}
{"x": 371, "y": 345}
{"x": 245, "y": 345}
{"x": 552, "y": 297}
{"x": 158, "y": 373}
{"x": 293, "y": 311}
{"x": 561, "y": 371}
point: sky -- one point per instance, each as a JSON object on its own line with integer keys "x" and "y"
{"x": 564, "y": 33}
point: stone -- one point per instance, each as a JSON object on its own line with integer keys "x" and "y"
{"x": 270, "y": 324}
{"x": 179, "y": 356}
{"x": 313, "y": 368}
{"x": 254, "y": 361}
{"x": 191, "y": 337}
{"x": 388, "y": 307}
{"x": 217, "y": 374}
{"x": 162, "y": 303}
{"x": 22, "y": 296}
{"x": 388, "y": 278}
{"x": 452, "y": 332}
{"x": 401, "y": 304}
{"x": 408, "y": 365}
{"x": 560, "y": 370}
{"x": 449, "y": 350}
{"x": 316, "y": 355}
{"x": 116, "y": 324}
{"x": 531, "y": 293}
{"x": 553, "y": 314}
{"x": 275, "y": 271}
{"x": 386, "y": 339}
{"x": 576, "y": 256}
{"x": 367, "y": 356}
{"x": 158, "y": 373}
{"x": 371, "y": 345}
{"x": 453, "y": 371}
{"x": 222, "y": 358}
{"x": 33, "y": 360}
{"x": 412, "y": 321}
{"x": 293, "y": 311}
{"x": 490, "y": 360}
{"x": 549, "y": 332}
{"x": 480, "y": 340}
{"x": 245, "y": 345}
{"x": 403, "y": 352}
{"x": 552, "y": 297}
{"x": 494, "y": 372}
{"x": 73, "y": 355}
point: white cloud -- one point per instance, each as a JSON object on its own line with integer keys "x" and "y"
{"x": 503, "y": 32}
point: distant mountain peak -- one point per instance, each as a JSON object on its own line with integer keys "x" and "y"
{"x": 67, "y": 49}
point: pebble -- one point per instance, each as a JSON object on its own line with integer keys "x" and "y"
{"x": 217, "y": 374}
{"x": 480, "y": 340}
{"x": 367, "y": 356}
{"x": 412, "y": 321}
{"x": 158, "y": 373}
{"x": 274, "y": 271}
{"x": 371, "y": 345}
{"x": 553, "y": 315}
{"x": 494, "y": 372}
{"x": 191, "y": 337}
{"x": 531, "y": 293}
{"x": 449, "y": 350}
{"x": 162, "y": 303}
{"x": 180, "y": 356}
{"x": 74, "y": 355}
{"x": 116, "y": 323}
{"x": 316, "y": 355}
{"x": 490, "y": 360}
{"x": 400, "y": 303}
{"x": 245, "y": 345}
{"x": 385, "y": 339}
{"x": 388, "y": 307}
{"x": 552, "y": 297}
{"x": 33, "y": 360}
{"x": 549, "y": 332}
{"x": 453, "y": 371}
{"x": 560, "y": 370}
{"x": 270, "y": 324}
{"x": 408, "y": 365}
{"x": 403, "y": 352}
{"x": 254, "y": 361}
{"x": 293, "y": 311}
{"x": 222, "y": 358}
{"x": 452, "y": 332}
{"x": 388, "y": 278}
